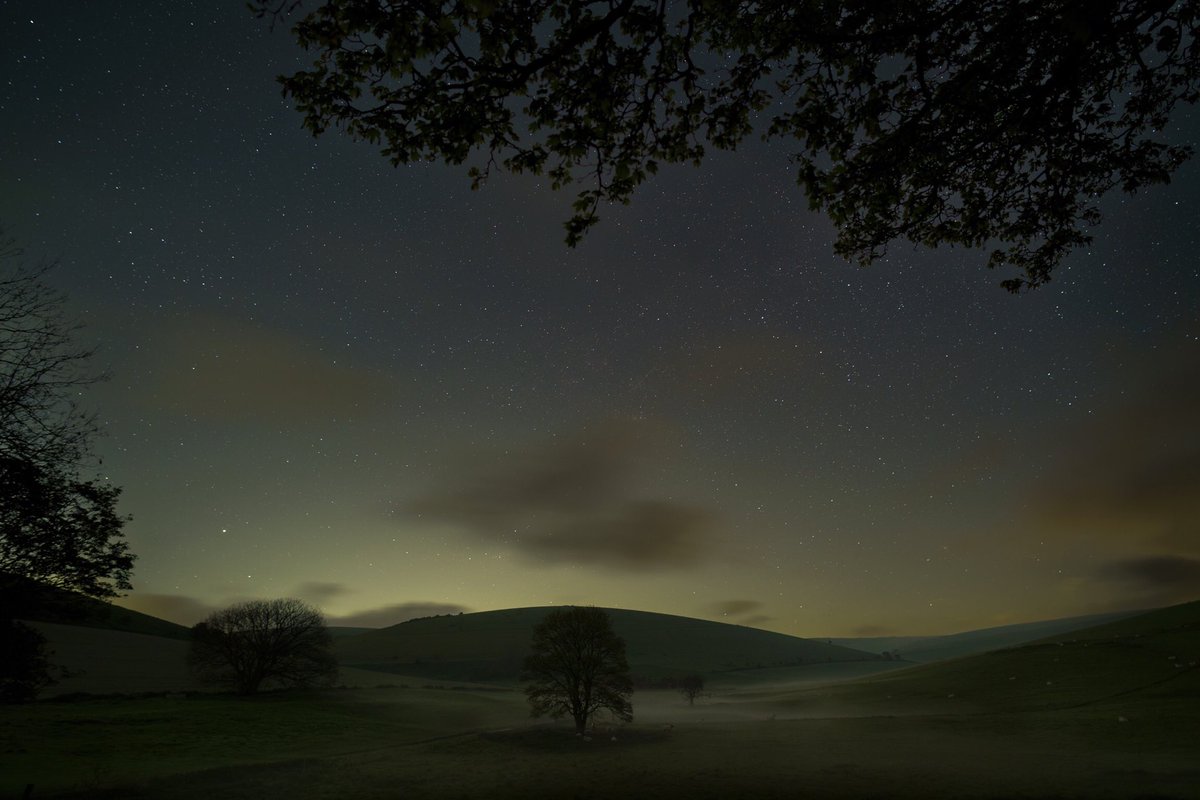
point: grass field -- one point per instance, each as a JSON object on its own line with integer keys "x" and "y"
{"x": 441, "y": 743}
{"x": 1111, "y": 712}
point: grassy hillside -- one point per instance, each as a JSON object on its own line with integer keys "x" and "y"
{"x": 1108, "y": 712}
{"x": 40, "y": 603}
{"x": 924, "y": 649}
{"x": 338, "y": 631}
{"x": 102, "y": 661}
{"x": 489, "y": 646}
{"x": 1143, "y": 659}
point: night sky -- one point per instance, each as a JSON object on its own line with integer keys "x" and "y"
{"x": 379, "y": 391}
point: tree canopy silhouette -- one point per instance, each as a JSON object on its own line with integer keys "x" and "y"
{"x": 248, "y": 645}
{"x": 58, "y": 528}
{"x": 990, "y": 123}
{"x": 577, "y": 666}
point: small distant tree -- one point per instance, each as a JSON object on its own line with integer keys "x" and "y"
{"x": 250, "y": 644}
{"x": 577, "y": 666}
{"x": 691, "y": 687}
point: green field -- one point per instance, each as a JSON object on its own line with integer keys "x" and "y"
{"x": 445, "y": 743}
{"x": 1110, "y": 712}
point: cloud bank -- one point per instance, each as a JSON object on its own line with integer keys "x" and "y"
{"x": 175, "y": 608}
{"x": 735, "y": 608}
{"x": 217, "y": 367}
{"x": 573, "y": 502}
{"x": 1131, "y": 478}
{"x": 1126, "y": 486}
{"x": 395, "y": 614}
{"x": 1160, "y": 580}
{"x": 188, "y": 610}
{"x": 321, "y": 592}
{"x": 744, "y": 612}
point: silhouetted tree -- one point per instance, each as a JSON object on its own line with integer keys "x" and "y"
{"x": 57, "y": 528}
{"x": 248, "y": 645}
{"x": 937, "y": 121}
{"x": 61, "y": 531}
{"x": 577, "y": 666}
{"x": 26, "y": 666}
{"x": 691, "y": 687}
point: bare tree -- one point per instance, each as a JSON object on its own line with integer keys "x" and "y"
{"x": 58, "y": 528}
{"x": 263, "y": 642}
{"x": 577, "y": 666}
{"x": 42, "y": 368}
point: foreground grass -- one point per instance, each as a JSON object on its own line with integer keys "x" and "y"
{"x": 91, "y": 744}
{"x": 425, "y": 743}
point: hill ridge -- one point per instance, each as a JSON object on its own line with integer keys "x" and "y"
{"x": 490, "y": 645}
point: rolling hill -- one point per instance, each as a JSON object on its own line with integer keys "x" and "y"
{"x": 116, "y": 650}
{"x": 1152, "y": 659}
{"x": 37, "y": 602}
{"x": 108, "y": 661}
{"x": 924, "y": 649}
{"x": 490, "y": 646}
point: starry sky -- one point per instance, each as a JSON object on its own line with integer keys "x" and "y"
{"x": 379, "y": 391}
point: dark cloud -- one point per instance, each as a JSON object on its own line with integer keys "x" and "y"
{"x": 744, "y": 612}
{"x": 320, "y": 592}
{"x": 395, "y": 614}
{"x": 571, "y": 478}
{"x": 736, "y": 608}
{"x": 210, "y": 366}
{"x": 873, "y": 630}
{"x": 572, "y": 502}
{"x": 172, "y": 607}
{"x": 1166, "y": 579}
{"x": 640, "y": 535}
{"x": 1132, "y": 476}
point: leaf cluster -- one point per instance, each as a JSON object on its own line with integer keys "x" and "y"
{"x": 62, "y": 531}
{"x": 990, "y": 123}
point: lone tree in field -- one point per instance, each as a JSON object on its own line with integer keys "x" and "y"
{"x": 577, "y": 666}
{"x": 984, "y": 123}
{"x": 260, "y": 642}
{"x": 59, "y": 528}
{"x": 691, "y": 687}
